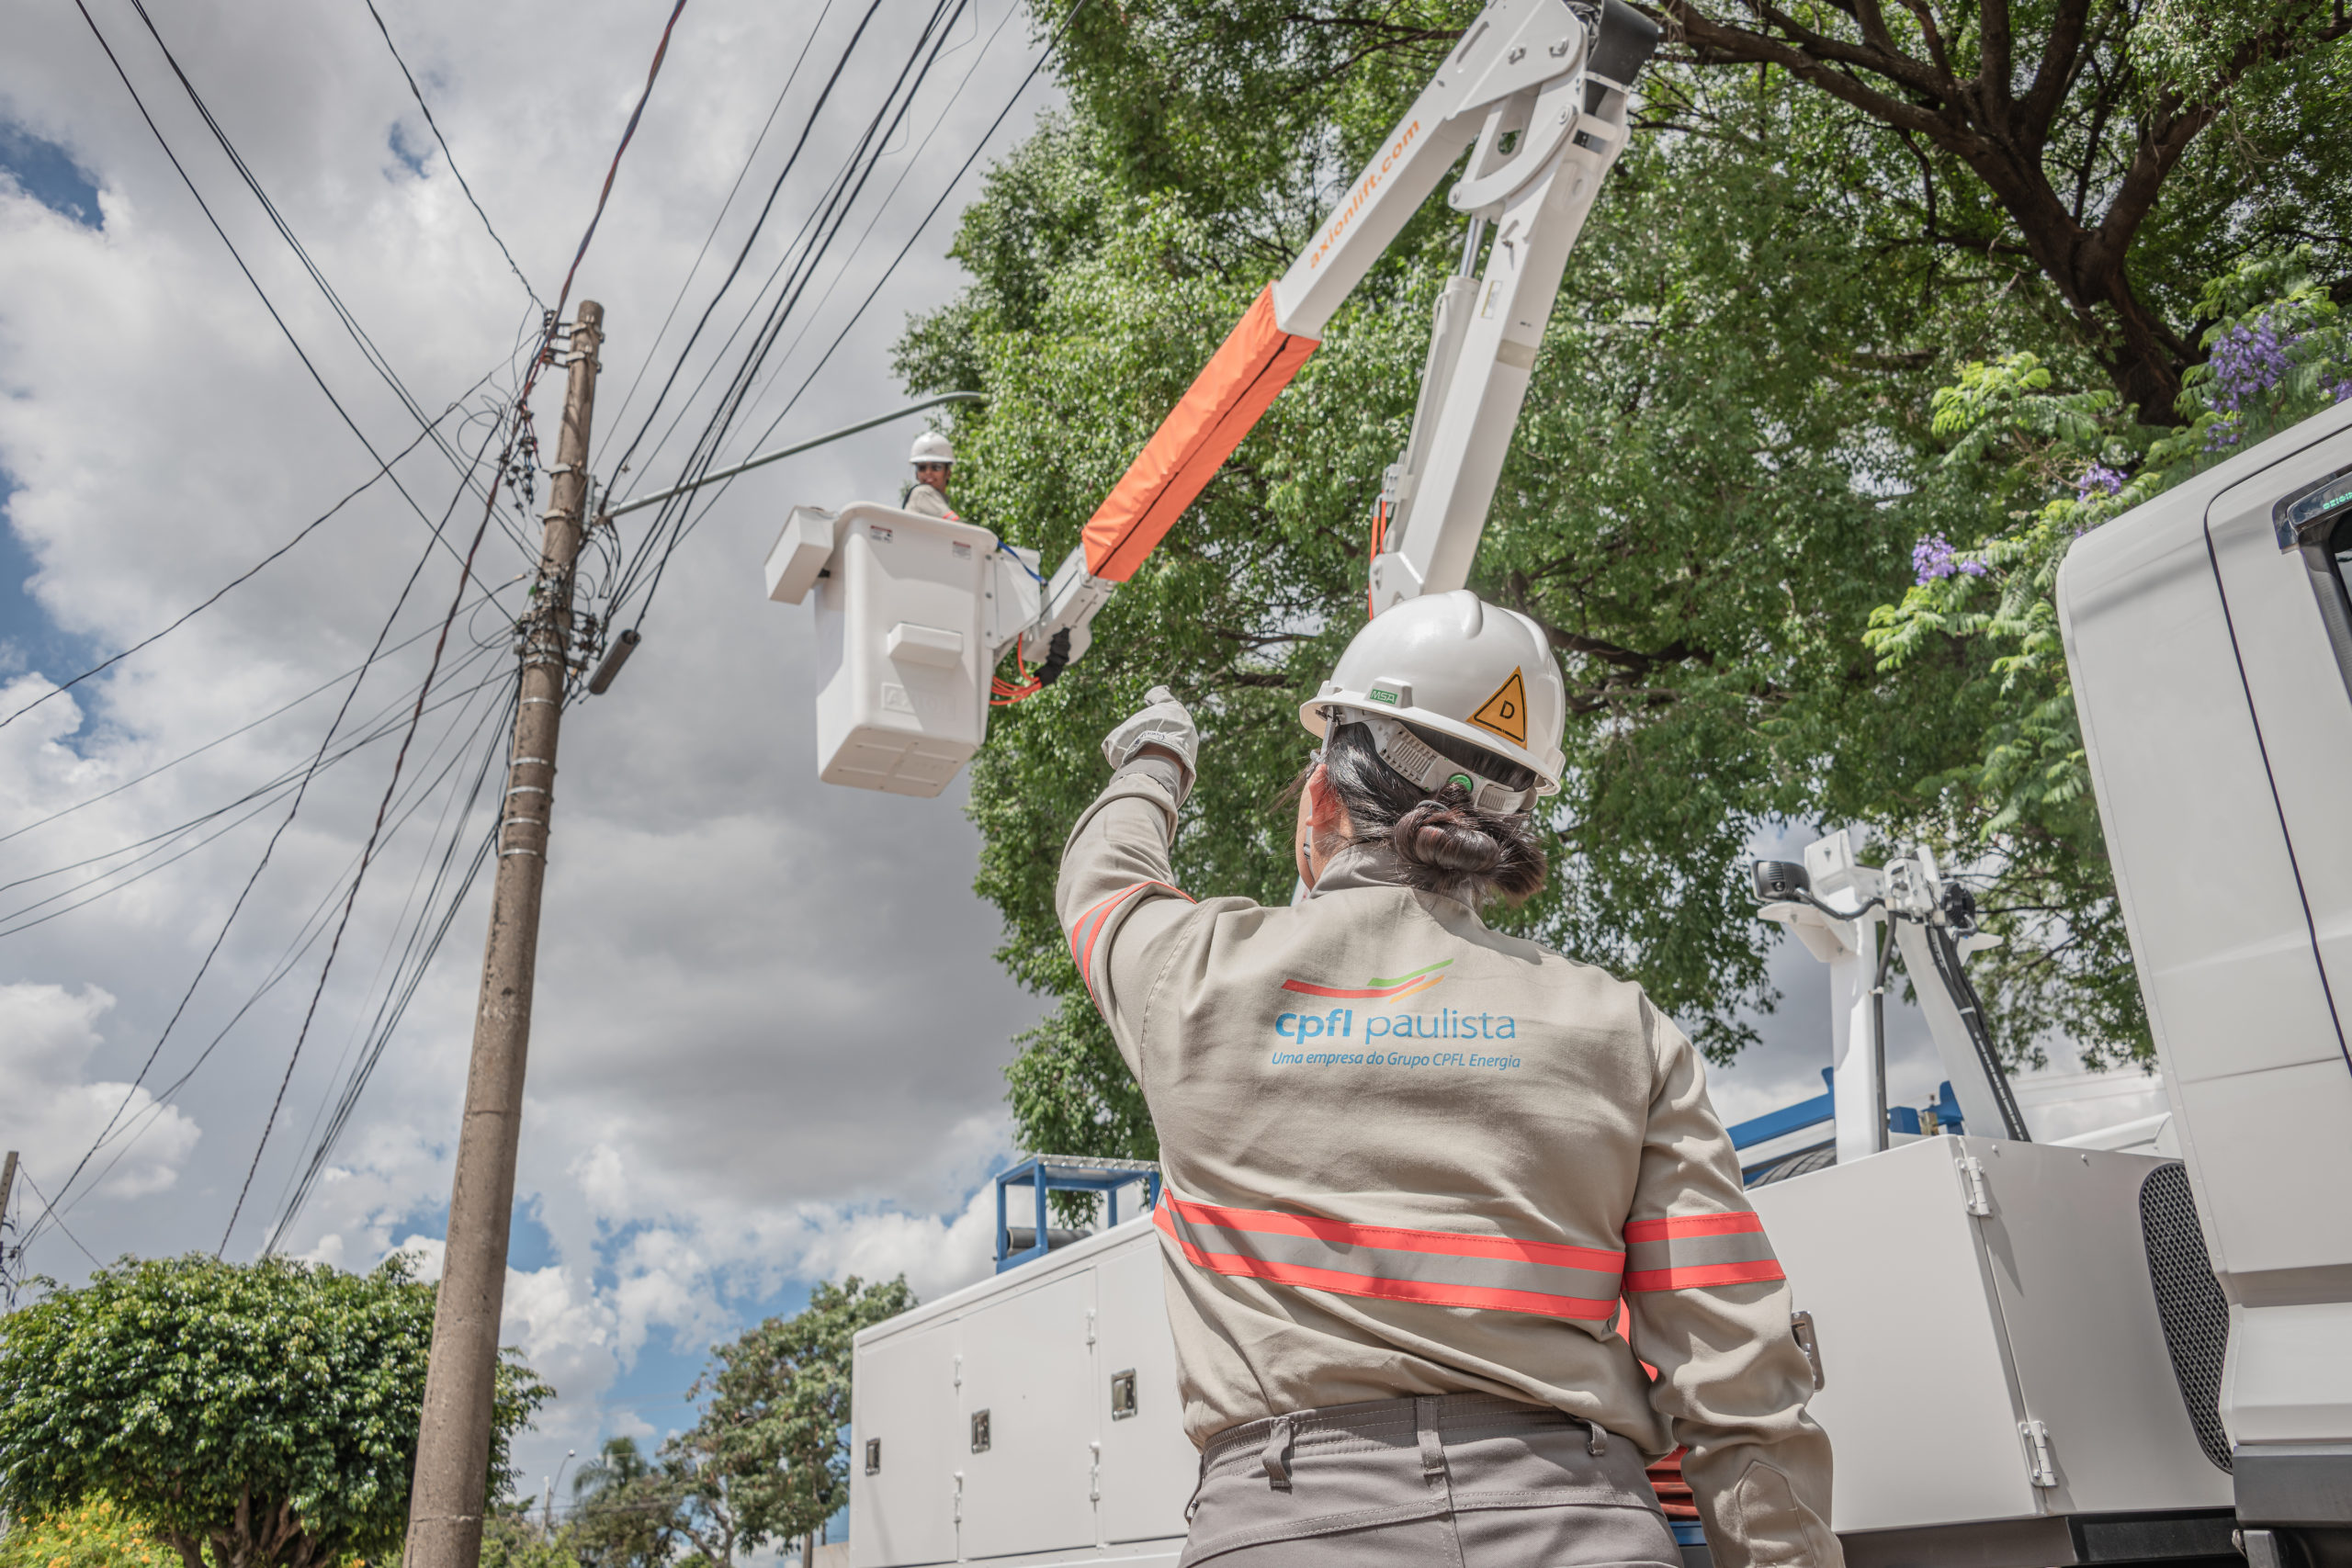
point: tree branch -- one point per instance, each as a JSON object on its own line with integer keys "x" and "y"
{"x": 1716, "y": 43}
{"x": 1994, "y": 58}
{"x": 2061, "y": 60}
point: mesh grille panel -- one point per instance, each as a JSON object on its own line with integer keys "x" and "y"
{"x": 2189, "y": 1299}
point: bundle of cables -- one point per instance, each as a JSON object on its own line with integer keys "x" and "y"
{"x": 1003, "y": 694}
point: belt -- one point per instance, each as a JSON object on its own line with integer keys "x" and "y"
{"x": 1427, "y": 1421}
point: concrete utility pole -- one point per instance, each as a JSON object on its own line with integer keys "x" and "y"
{"x": 7, "y": 1185}
{"x": 453, "y": 1441}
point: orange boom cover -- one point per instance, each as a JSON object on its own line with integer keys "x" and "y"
{"x": 1256, "y": 362}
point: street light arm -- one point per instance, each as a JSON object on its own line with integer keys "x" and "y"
{"x": 766, "y": 457}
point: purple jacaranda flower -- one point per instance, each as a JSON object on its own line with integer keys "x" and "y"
{"x": 2340, "y": 390}
{"x": 2097, "y": 480}
{"x": 2250, "y": 360}
{"x": 1932, "y": 561}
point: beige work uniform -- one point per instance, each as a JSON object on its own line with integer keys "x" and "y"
{"x": 924, "y": 500}
{"x": 1406, "y": 1154}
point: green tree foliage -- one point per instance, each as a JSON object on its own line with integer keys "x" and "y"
{"x": 620, "y": 1504}
{"x": 765, "y": 1462}
{"x": 511, "y": 1537}
{"x": 254, "y": 1415}
{"x": 1729, "y": 451}
{"x": 96, "y": 1532}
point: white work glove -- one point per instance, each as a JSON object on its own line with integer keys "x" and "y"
{"x": 1165, "y": 722}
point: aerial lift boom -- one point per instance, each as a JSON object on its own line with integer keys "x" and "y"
{"x": 1536, "y": 93}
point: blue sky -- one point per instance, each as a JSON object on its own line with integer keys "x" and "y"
{"x": 48, "y": 174}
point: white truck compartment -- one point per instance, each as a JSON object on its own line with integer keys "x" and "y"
{"x": 2003, "y": 1351}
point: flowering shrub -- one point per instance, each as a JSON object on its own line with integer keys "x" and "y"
{"x": 94, "y": 1533}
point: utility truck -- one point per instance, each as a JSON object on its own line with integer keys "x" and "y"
{"x": 2117, "y": 1349}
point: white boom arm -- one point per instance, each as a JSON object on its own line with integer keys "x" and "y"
{"x": 1934, "y": 928}
{"x": 1537, "y": 91}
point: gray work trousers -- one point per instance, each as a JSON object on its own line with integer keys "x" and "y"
{"x": 1454, "y": 1480}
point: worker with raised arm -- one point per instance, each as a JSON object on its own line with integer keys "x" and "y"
{"x": 1413, "y": 1166}
{"x": 932, "y": 458}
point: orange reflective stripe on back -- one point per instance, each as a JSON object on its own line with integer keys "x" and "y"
{"x": 1686, "y": 1251}
{"x": 1232, "y": 391}
{"x": 1395, "y": 1263}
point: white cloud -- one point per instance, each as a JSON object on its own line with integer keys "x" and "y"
{"x": 50, "y": 1114}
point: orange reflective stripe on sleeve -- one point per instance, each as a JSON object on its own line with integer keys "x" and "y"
{"x": 1689, "y": 1250}
{"x": 1240, "y": 381}
{"x": 1394, "y": 1263}
{"x": 1090, "y": 926}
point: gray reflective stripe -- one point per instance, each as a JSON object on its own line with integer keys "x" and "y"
{"x": 1266, "y": 1246}
{"x": 1694, "y": 1252}
{"x": 1690, "y": 1250}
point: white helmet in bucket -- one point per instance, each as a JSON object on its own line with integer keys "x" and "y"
{"x": 1454, "y": 664}
{"x": 932, "y": 447}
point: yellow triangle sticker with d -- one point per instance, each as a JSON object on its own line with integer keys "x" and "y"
{"x": 1505, "y": 713}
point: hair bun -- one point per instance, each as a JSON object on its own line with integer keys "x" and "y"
{"x": 1439, "y": 832}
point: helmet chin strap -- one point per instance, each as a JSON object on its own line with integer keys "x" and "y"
{"x": 1424, "y": 768}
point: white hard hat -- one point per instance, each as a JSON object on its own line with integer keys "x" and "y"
{"x": 1462, "y": 668}
{"x": 932, "y": 447}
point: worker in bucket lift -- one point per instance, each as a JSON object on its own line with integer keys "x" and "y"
{"x": 932, "y": 458}
{"x": 1413, "y": 1166}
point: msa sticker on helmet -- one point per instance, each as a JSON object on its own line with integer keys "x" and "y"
{"x": 1505, "y": 713}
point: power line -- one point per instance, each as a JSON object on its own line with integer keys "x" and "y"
{"x": 725, "y": 207}
{"x": 832, "y": 216}
{"x": 300, "y": 792}
{"x": 750, "y": 239}
{"x": 306, "y": 935}
{"x": 358, "y": 334}
{"x": 281, "y": 710}
{"x": 679, "y": 536}
{"x": 286, "y": 332}
{"x": 466, "y": 576}
{"x": 564, "y": 295}
{"x": 383, "y": 469}
{"x": 156, "y": 842}
{"x": 434, "y": 126}
{"x": 367, "y": 854}
{"x": 627, "y": 134}
{"x": 415, "y": 963}
{"x": 48, "y": 1213}
{"x": 800, "y": 255}
{"x": 914, "y": 161}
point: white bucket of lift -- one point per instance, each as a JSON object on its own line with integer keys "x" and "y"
{"x": 907, "y": 634}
